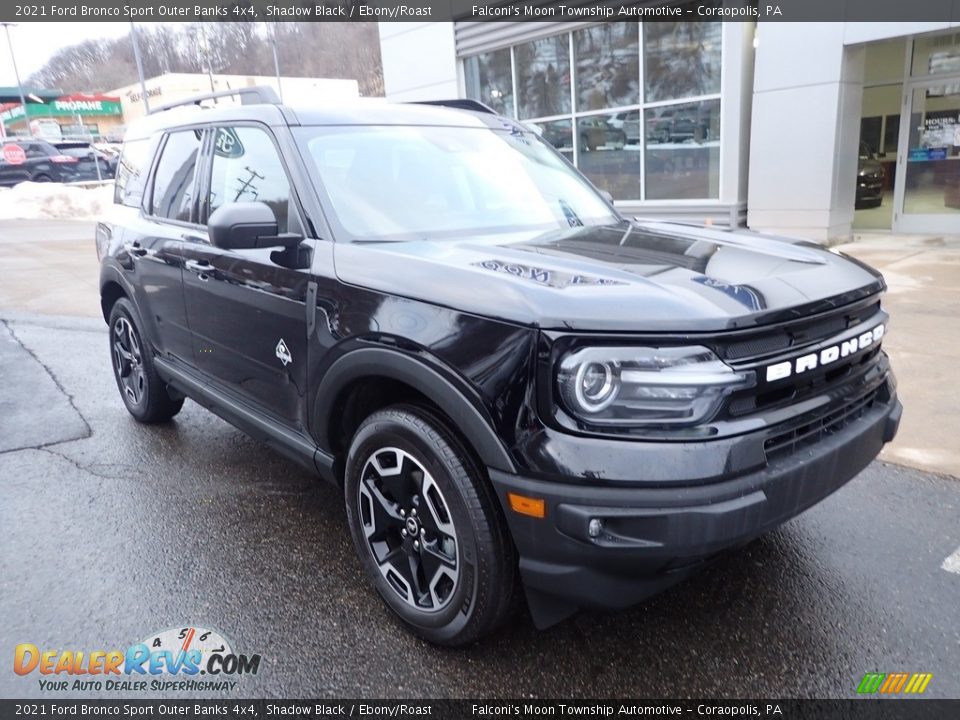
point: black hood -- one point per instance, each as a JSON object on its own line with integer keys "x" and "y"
{"x": 869, "y": 166}
{"x": 630, "y": 277}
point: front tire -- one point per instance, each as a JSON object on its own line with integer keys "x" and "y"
{"x": 426, "y": 527}
{"x": 142, "y": 390}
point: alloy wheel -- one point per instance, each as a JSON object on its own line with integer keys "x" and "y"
{"x": 408, "y": 528}
{"x": 128, "y": 360}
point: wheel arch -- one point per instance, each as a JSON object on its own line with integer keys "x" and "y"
{"x": 393, "y": 377}
{"x": 110, "y": 292}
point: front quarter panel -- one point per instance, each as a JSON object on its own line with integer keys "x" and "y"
{"x": 483, "y": 367}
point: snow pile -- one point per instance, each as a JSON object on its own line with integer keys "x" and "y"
{"x": 30, "y": 200}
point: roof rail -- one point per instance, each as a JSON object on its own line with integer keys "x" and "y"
{"x": 459, "y": 104}
{"x": 256, "y": 95}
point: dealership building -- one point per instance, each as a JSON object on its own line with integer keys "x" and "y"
{"x": 171, "y": 87}
{"x": 813, "y": 130}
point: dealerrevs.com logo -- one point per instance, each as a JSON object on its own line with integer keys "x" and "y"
{"x": 179, "y": 659}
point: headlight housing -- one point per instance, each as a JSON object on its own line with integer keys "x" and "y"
{"x": 645, "y": 386}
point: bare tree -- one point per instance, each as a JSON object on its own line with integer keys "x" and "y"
{"x": 329, "y": 50}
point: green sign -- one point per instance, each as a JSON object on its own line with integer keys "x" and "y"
{"x": 62, "y": 108}
{"x": 85, "y": 107}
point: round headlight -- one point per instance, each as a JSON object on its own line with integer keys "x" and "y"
{"x": 596, "y": 386}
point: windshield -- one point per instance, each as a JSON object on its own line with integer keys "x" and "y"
{"x": 413, "y": 182}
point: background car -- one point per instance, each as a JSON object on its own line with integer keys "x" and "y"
{"x": 85, "y": 154}
{"x": 869, "y": 179}
{"x": 629, "y": 122}
{"x": 596, "y": 132}
{"x": 45, "y": 162}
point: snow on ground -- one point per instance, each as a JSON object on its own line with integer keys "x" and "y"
{"x": 30, "y": 200}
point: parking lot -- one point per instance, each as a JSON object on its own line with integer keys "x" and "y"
{"x": 112, "y": 531}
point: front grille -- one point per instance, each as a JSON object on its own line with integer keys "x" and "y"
{"x": 804, "y": 387}
{"x": 797, "y": 334}
{"x": 812, "y": 432}
{"x": 806, "y": 405}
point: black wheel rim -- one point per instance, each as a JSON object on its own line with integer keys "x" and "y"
{"x": 409, "y": 529}
{"x": 128, "y": 361}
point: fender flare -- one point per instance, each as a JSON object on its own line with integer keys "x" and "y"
{"x": 469, "y": 419}
{"x": 109, "y": 273}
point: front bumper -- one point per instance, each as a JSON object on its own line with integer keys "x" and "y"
{"x": 654, "y": 537}
{"x": 869, "y": 191}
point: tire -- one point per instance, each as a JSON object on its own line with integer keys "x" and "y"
{"x": 142, "y": 390}
{"x": 43, "y": 178}
{"x": 408, "y": 475}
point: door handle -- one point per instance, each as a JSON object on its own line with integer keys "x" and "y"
{"x": 135, "y": 249}
{"x": 200, "y": 267}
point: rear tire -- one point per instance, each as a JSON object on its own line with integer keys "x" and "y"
{"x": 426, "y": 527}
{"x": 43, "y": 178}
{"x": 142, "y": 390}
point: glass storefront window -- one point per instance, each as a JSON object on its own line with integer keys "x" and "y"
{"x": 936, "y": 55}
{"x": 585, "y": 92}
{"x": 883, "y": 62}
{"x": 559, "y": 133}
{"x": 681, "y": 60}
{"x": 683, "y": 151}
{"x": 543, "y": 77}
{"x": 608, "y": 66}
{"x": 933, "y": 162}
{"x": 489, "y": 79}
{"x": 605, "y": 156}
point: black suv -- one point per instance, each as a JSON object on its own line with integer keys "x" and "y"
{"x": 45, "y": 162}
{"x": 511, "y": 382}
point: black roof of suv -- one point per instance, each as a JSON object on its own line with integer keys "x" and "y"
{"x": 511, "y": 381}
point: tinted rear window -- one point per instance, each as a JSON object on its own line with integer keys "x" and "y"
{"x": 132, "y": 173}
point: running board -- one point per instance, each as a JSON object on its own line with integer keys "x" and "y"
{"x": 285, "y": 441}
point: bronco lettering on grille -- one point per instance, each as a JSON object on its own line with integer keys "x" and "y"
{"x": 827, "y": 355}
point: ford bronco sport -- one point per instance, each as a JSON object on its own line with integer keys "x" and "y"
{"x": 513, "y": 384}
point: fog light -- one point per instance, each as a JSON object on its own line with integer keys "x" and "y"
{"x": 595, "y": 528}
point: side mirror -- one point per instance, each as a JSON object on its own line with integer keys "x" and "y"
{"x": 246, "y": 226}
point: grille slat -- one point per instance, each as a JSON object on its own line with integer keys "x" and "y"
{"x": 812, "y": 432}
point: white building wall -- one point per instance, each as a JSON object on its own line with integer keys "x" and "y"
{"x": 807, "y": 96}
{"x": 419, "y": 61}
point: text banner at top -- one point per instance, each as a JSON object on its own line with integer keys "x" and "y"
{"x": 945, "y": 12}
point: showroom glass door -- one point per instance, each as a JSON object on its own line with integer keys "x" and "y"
{"x": 927, "y": 197}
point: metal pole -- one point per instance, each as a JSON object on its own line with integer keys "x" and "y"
{"x": 206, "y": 45}
{"x": 276, "y": 62}
{"x": 136, "y": 55}
{"x": 16, "y": 73}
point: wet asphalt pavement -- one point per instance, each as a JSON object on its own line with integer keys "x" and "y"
{"x": 111, "y": 531}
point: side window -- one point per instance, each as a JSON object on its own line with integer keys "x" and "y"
{"x": 132, "y": 173}
{"x": 173, "y": 181}
{"x": 246, "y": 167}
{"x": 33, "y": 150}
